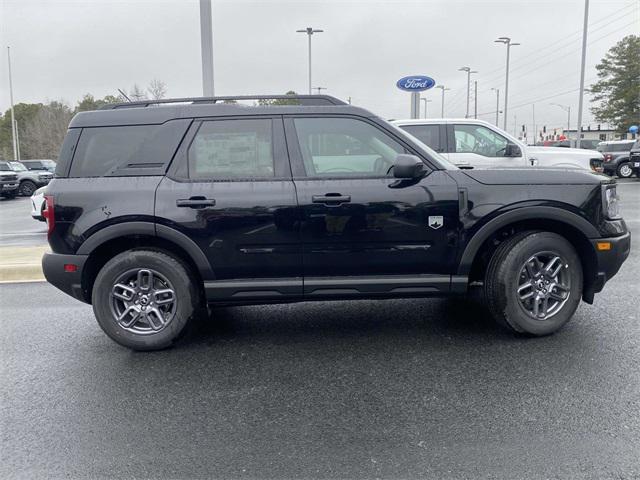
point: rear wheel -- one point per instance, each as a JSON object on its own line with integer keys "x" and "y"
{"x": 27, "y": 188}
{"x": 624, "y": 170}
{"x": 144, "y": 299}
{"x": 533, "y": 283}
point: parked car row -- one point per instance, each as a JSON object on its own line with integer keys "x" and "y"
{"x": 24, "y": 177}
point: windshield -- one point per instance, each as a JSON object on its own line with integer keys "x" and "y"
{"x": 4, "y": 167}
{"x": 18, "y": 167}
{"x": 432, "y": 153}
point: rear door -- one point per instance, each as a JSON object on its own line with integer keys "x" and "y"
{"x": 230, "y": 190}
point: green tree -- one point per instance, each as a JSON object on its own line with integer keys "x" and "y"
{"x": 43, "y": 135}
{"x": 24, "y": 113}
{"x": 616, "y": 94}
{"x": 281, "y": 101}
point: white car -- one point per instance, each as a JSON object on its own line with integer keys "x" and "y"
{"x": 37, "y": 204}
{"x": 480, "y": 144}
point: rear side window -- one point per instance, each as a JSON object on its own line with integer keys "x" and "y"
{"x": 66, "y": 152}
{"x": 128, "y": 150}
{"x": 224, "y": 149}
{"x": 427, "y": 134}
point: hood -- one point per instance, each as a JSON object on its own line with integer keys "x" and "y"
{"x": 537, "y": 176}
{"x": 566, "y": 151}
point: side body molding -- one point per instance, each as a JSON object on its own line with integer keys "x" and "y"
{"x": 150, "y": 229}
{"x": 525, "y": 213}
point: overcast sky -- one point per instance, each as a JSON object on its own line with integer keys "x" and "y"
{"x": 63, "y": 49}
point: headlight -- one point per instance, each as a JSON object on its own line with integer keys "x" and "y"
{"x": 610, "y": 202}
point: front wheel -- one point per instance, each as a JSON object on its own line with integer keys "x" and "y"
{"x": 27, "y": 188}
{"x": 533, "y": 283}
{"x": 144, "y": 299}
{"x": 624, "y": 170}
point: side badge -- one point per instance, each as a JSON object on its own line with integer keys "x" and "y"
{"x": 436, "y": 222}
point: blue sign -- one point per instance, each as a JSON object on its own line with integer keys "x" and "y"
{"x": 633, "y": 129}
{"x": 415, "y": 83}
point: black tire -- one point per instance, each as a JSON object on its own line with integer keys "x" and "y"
{"x": 9, "y": 195}
{"x": 624, "y": 170}
{"x": 504, "y": 274}
{"x": 173, "y": 270}
{"x": 27, "y": 187}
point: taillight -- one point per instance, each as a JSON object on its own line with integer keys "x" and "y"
{"x": 48, "y": 214}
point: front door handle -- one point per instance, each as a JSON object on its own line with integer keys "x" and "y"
{"x": 195, "y": 202}
{"x": 331, "y": 199}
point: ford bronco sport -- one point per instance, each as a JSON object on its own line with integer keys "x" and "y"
{"x": 160, "y": 208}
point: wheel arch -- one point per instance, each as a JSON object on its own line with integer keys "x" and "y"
{"x": 118, "y": 238}
{"x": 575, "y": 229}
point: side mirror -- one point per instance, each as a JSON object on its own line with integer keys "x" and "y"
{"x": 408, "y": 166}
{"x": 512, "y": 150}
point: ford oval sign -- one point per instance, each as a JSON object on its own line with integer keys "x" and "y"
{"x": 415, "y": 83}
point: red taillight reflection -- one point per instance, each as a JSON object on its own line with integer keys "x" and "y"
{"x": 48, "y": 214}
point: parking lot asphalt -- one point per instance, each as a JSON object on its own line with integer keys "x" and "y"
{"x": 17, "y": 228}
{"x": 370, "y": 389}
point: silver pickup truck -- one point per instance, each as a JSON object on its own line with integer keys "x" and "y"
{"x": 30, "y": 180}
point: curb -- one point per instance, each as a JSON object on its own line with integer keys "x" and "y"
{"x": 21, "y": 264}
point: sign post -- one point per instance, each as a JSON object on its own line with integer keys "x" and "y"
{"x": 415, "y": 84}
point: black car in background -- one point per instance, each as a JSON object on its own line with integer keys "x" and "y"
{"x": 634, "y": 157}
{"x": 44, "y": 164}
{"x": 160, "y": 208}
{"x": 616, "y": 157}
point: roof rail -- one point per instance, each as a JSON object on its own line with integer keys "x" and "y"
{"x": 305, "y": 100}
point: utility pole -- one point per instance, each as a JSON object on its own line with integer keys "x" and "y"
{"x": 443, "y": 88}
{"x": 582, "y": 65}
{"x": 425, "y": 105}
{"x": 309, "y": 31}
{"x": 469, "y": 72}
{"x": 515, "y": 126}
{"x": 206, "y": 46}
{"x": 497, "y": 90}
{"x": 507, "y": 41}
{"x": 535, "y": 130}
{"x": 475, "y": 99}
{"x": 566, "y": 108}
{"x": 18, "y": 141}
{"x": 13, "y": 118}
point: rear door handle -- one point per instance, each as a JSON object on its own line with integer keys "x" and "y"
{"x": 195, "y": 202}
{"x": 331, "y": 199}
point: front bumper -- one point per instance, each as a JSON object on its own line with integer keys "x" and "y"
{"x": 70, "y": 282}
{"x": 608, "y": 262}
{"x": 8, "y": 187}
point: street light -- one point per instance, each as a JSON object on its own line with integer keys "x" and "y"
{"x": 497, "y": 90}
{"x": 507, "y": 41}
{"x": 425, "y": 105}
{"x": 443, "y": 88}
{"x": 309, "y": 31}
{"x": 567, "y": 109}
{"x": 469, "y": 72}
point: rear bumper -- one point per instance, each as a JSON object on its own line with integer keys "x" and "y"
{"x": 608, "y": 262}
{"x": 53, "y": 267}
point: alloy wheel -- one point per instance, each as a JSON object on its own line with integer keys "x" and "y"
{"x": 544, "y": 285}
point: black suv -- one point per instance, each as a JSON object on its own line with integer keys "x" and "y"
{"x": 616, "y": 157}
{"x": 159, "y": 209}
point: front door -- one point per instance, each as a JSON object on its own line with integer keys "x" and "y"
{"x": 360, "y": 225}
{"x": 480, "y": 147}
{"x": 230, "y": 190}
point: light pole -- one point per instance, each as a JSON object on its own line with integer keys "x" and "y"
{"x": 206, "y": 47}
{"x": 566, "y": 108}
{"x": 309, "y": 31}
{"x": 582, "y": 65}
{"x": 507, "y": 41}
{"x": 443, "y": 88}
{"x": 497, "y": 90}
{"x": 13, "y": 119}
{"x": 469, "y": 72}
{"x": 425, "y": 105}
{"x": 320, "y": 88}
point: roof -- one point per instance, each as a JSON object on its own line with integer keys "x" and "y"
{"x": 157, "y": 112}
{"x": 433, "y": 121}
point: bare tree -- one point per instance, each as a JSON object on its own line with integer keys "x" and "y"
{"x": 137, "y": 93}
{"x": 43, "y": 135}
{"x": 157, "y": 89}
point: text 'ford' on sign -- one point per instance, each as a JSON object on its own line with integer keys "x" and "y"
{"x": 415, "y": 83}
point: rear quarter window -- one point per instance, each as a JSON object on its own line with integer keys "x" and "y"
{"x": 132, "y": 150}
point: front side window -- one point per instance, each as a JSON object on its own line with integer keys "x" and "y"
{"x": 427, "y": 134}
{"x": 336, "y": 147}
{"x": 480, "y": 140}
{"x": 232, "y": 149}
{"x": 18, "y": 167}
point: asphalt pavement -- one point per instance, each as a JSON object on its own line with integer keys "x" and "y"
{"x": 369, "y": 389}
{"x": 17, "y": 228}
